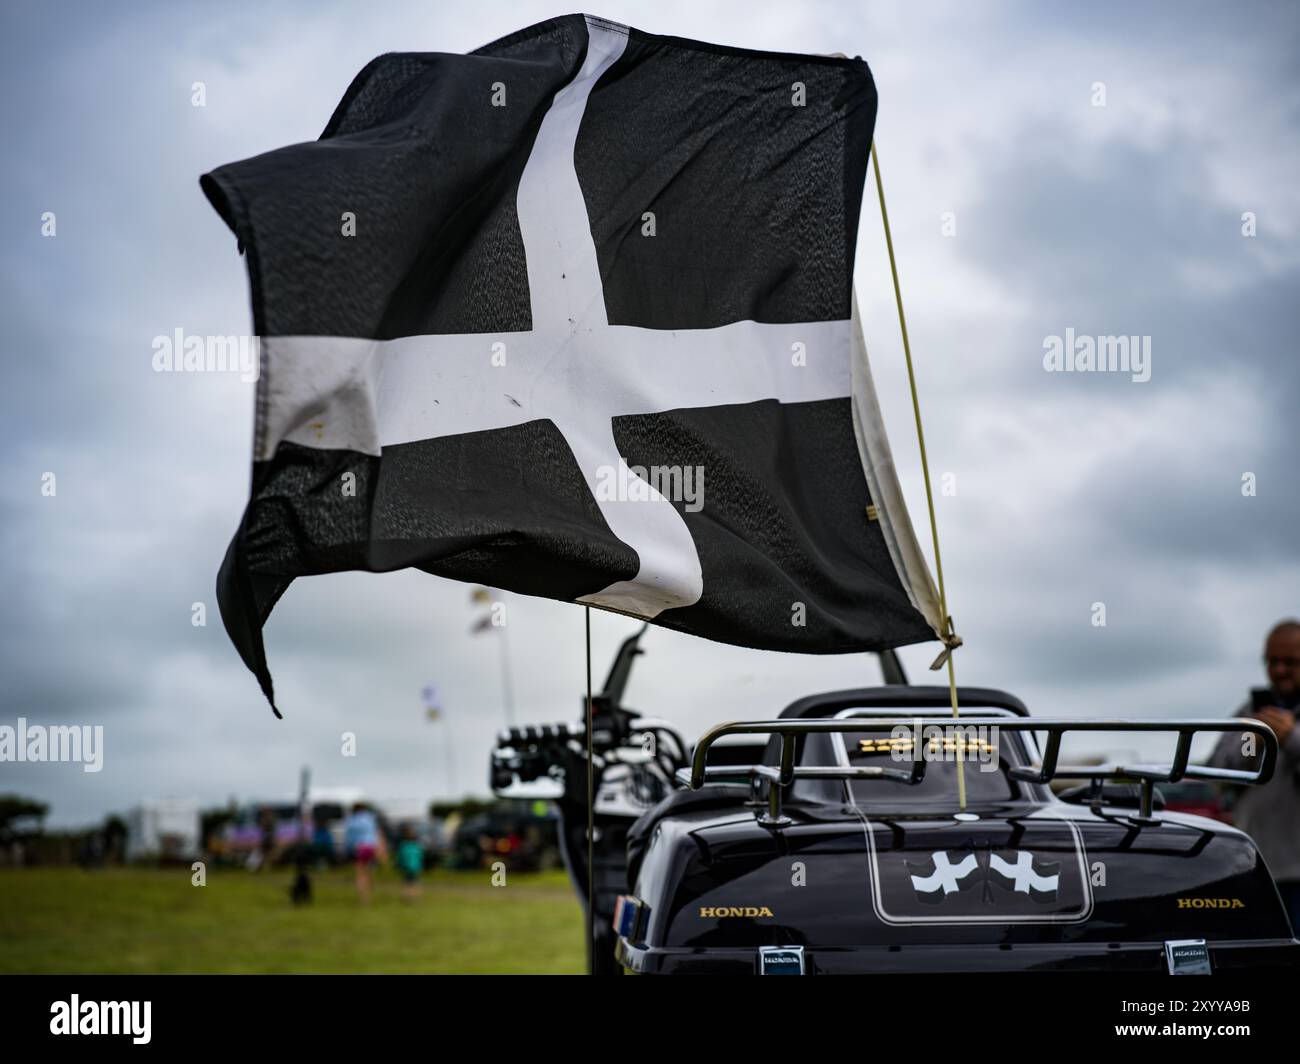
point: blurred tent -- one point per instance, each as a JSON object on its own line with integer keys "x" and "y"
{"x": 164, "y": 828}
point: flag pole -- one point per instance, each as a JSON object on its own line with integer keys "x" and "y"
{"x": 507, "y": 681}
{"x": 451, "y": 761}
{"x": 591, "y": 817}
{"x": 950, "y": 642}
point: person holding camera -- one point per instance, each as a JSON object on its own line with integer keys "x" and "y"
{"x": 1271, "y": 814}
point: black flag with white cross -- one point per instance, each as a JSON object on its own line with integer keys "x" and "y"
{"x": 572, "y": 316}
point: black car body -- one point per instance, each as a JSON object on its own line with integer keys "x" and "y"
{"x": 826, "y": 841}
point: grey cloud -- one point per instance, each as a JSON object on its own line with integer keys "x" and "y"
{"x": 1071, "y": 490}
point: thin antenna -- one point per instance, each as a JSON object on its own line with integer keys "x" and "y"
{"x": 591, "y": 817}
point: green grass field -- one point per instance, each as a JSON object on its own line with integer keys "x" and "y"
{"x": 64, "y": 920}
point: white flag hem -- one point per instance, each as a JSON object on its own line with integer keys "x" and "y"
{"x": 886, "y": 492}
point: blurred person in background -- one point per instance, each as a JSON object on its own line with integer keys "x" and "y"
{"x": 365, "y": 842}
{"x": 261, "y": 860}
{"x": 410, "y": 862}
{"x": 1271, "y": 814}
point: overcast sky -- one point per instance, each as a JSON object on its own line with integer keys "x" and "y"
{"x": 1071, "y": 489}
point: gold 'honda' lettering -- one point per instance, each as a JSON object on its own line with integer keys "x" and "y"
{"x": 1211, "y": 903}
{"x": 721, "y": 911}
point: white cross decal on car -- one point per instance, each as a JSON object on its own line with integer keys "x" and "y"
{"x": 946, "y": 876}
{"x": 1022, "y": 873}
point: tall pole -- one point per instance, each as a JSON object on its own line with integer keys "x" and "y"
{"x": 451, "y": 761}
{"x": 304, "y": 802}
{"x": 434, "y": 713}
{"x": 507, "y": 681}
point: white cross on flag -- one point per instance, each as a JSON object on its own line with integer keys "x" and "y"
{"x": 572, "y": 316}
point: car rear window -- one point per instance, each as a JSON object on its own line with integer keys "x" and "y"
{"x": 984, "y": 767}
